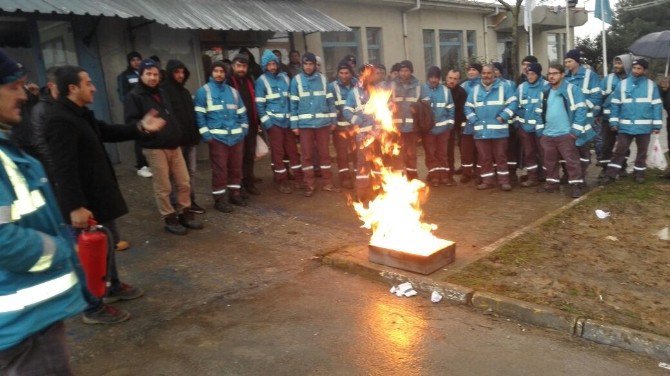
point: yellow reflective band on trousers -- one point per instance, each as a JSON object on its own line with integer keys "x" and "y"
{"x": 38, "y": 293}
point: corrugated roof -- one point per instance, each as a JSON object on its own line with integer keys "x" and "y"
{"x": 270, "y": 15}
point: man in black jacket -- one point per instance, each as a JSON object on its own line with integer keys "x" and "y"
{"x": 184, "y": 111}
{"x": 83, "y": 177}
{"x": 163, "y": 151}
{"x": 125, "y": 82}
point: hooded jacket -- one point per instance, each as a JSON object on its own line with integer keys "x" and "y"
{"x": 142, "y": 99}
{"x": 311, "y": 104}
{"x": 637, "y": 107}
{"x": 576, "y": 108}
{"x": 441, "y": 104}
{"x": 611, "y": 81}
{"x": 483, "y": 107}
{"x": 182, "y": 103}
{"x": 403, "y": 94}
{"x": 272, "y": 95}
{"x": 529, "y": 111}
{"x": 589, "y": 83}
{"x": 220, "y": 113}
{"x": 40, "y": 276}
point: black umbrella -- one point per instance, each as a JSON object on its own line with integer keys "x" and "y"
{"x": 654, "y": 45}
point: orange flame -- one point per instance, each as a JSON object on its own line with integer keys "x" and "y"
{"x": 395, "y": 215}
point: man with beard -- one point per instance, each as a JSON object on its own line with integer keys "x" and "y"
{"x": 490, "y": 105}
{"x": 182, "y": 104}
{"x": 294, "y": 64}
{"x": 163, "y": 151}
{"x": 636, "y": 114}
{"x": 272, "y": 101}
{"x": 621, "y": 66}
{"x": 244, "y": 85}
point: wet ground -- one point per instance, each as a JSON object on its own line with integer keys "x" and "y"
{"x": 248, "y": 295}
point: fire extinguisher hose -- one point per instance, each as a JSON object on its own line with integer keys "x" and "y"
{"x": 110, "y": 254}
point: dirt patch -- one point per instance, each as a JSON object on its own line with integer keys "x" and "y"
{"x": 616, "y": 269}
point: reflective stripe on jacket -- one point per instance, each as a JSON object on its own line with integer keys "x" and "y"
{"x": 483, "y": 107}
{"x": 589, "y": 83}
{"x": 340, "y": 94}
{"x": 529, "y": 111}
{"x": 575, "y": 106}
{"x": 442, "y": 105}
{"x": 311, "y": 104}
{"x": 272, "y": 100}
{"x": 607, "y": 86}
{"x": 39, "y": 269}
{"x": 220, "y": 113}
{"x": 636, "y": 106}
{"x": 403, "y": 95}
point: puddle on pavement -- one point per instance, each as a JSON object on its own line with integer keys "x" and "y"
{"x": 664, "y": 233}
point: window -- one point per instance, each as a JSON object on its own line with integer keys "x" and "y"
{"x": 451, "y": 43}
{"x": 429, "y": 48}
{"x": 555, "y": 47}
{"x": 374, "y": 38}
{"x": 471, "y": 39}
{"x": 336, "y": 45}
{"x": 57, "y": 43}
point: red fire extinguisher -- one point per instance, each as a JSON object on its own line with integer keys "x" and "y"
{"x": 94, "y": 251}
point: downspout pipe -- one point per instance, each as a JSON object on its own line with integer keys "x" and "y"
{"x": 404, "y": 26}
{"x": 486, "y": 32}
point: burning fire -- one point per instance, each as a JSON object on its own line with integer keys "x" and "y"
{"x": 395, "y": 215}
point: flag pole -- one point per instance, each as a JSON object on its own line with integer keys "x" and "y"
{"x": 602, "y": 18}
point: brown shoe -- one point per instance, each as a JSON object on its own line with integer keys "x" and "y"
{"x": 330, "y": 188}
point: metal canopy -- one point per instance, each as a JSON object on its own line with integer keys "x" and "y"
{"x": 259, "y": 15}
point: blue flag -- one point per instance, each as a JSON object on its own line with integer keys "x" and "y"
{"x": 603, "y": 11}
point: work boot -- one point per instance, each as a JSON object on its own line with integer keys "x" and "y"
{"x": 506, "y": 187}
{"x": 284, "y": 187}
{"x": 347, "y": 184}
{"x": 435, "y": 182}
{"x": 309, "y": 191}
{"x": 187, "y": 219}
{"x": 123, "y": 292}
{"x": 223, "y": 206}
{"x": 513, "y": 177}
{"x": 623, "y": 173}
{"x": 530, "y": 183}
{"x": 547, "y": 188}
{"x": 484, "y": 186}
{"x": 236, "y": 199}
{"x": 251, "y": 189}
{"x": 105, "y": 315}
{"x": 607, "y": 180}
{"x": 330, "y": 188}
{"x": 465, "y": 179}
{"x": 173, "y": 226}
{"x": 639, "y": 177}
{"x": 244, "y": 194}
{"x": 195, "y": 208}
{"x": 448, "y": 180}
{"x": 576, "y": 191}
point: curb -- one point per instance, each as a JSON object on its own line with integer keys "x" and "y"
{"x": 637, "y": 341}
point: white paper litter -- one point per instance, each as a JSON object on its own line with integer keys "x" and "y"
{"x": 435, "y": 297}
{"x": 404, "y": 289}
{"x": 602, "y": 214}
{"x": 664, "y": 365}
{"x": 664, "y": 234}
{"x": 612, "y": 238}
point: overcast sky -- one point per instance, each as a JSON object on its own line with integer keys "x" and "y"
{"x": 593, "y": 26}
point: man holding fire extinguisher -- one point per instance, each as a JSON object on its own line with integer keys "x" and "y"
{"x": 39, "y": 272}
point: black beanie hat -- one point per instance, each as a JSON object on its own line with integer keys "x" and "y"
{"x": 498, "y": 66}
{"x": 10, "y": 70}
{"x": 476, "y": 66}
{"x": 434, "y": 72}
{"x": 131, "y": 55}
{"x": 530, "y": 59}
{"x": 308, "y": 56}
{"x": 535, "y": 68}
{"x": 406, "y": 64}
{"x": 344, "y": 65}
{"x": 147, "y": 63}
{"x": 574, "y": 55}
{"x": 242, "y": 58}
{"x": 641, "y": 62}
